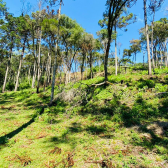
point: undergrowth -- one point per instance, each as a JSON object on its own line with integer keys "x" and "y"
{"x": 124, "y": 124}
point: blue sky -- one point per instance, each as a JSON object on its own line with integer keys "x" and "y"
{"x": 88, "y": 12}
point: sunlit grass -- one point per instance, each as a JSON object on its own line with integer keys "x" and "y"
{"x": 120, "y": 125}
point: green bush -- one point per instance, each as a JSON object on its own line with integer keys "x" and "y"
{"x": 96, "y": 68}
{"x": 149, "y": 83}
{"x": 166, "y": 79}
{"x": 161, "y": 71}
{"x": 10, "y": 86}
{"x": 24, "y": 85}
{"x": 160, "y": 88}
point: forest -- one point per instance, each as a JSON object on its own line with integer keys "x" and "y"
{"x": 68, "y": 100}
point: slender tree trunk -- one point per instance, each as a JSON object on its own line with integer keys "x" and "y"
{"x": 46, "y": 73}
{"x": 7, "y": 69}
{"x": 156, "y": 57}
{"x": 166, "y": 56}
{"x": 133, "y": 62}
{"x": 110, "y": 26}
{"x": 106, "y": 61}
{"x": 45, "y": 76}
{"x": 69, "y": 76}
{"x": 65, "y": 74}
{"x": 86, "y": 66}
{"x": 20, "y": 65}
{"x": 82, "y": 66}
{"x": 34, "y": 74}
{"x": 55, "y": 60}
{"x": 91, "y": 69}
{"x": 153, "y": 62}
{"x": 39, "y": 69}
{"x": 29, "y": 75}
{"x": 161, "y": 57}
{"x": 49, "y": 68}
{"x": 147, "y": 40}
{"x": 116, "y": 61}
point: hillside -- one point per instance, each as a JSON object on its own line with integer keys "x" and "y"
{"x": 124, "y": 124}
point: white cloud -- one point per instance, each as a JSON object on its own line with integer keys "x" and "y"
{"x": 139, "y": 19}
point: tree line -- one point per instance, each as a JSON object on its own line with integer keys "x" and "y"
{"x": 47, "y": 45}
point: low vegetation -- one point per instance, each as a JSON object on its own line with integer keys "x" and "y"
{"x": 123, "y": 124}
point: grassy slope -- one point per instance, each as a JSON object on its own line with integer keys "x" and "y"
{"x": 124, "y": 125}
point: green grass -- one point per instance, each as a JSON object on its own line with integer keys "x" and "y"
{"x": 121, "y": 125}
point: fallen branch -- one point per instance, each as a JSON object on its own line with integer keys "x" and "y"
{"x": 161, "y": 93}
{"x": 103, "y": 83}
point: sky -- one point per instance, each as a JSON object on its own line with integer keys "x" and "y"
{"x": 88, "y": 12}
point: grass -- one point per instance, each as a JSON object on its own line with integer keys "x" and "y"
{"x": 120, "y": 125}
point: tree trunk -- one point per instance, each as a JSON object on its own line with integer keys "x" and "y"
{"x": 147, "y": 40}
{"x": 46, "y": 73}
{"x": 161, "y": 57}
{"x": 54, "y": 72}
{"x": 7, "y": 69}
{"x": 29, "y": 75}
{"x": 49, "y": 69}
{"x": 55, "y": 60}
{"x": 86, "y": 66}
{"x": 39, "y": 69}
{"x": 91, "y": 69}
{"x": 166, "y": 56}
{"x": 82, "y": 66}
{"x": 34, "y": 74}
{"x": 156, "y": 57}
{"x": 65, "y": 74}
{"x": 20, "y": 65}
{"x": 106, "y": 61}
{"x": 69, "y": 77}
{"x": 153, "y": 62}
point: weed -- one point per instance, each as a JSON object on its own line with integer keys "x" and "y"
{"x": 24, "y": 160}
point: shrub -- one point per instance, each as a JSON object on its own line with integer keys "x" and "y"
{"x": 166, "y": 79}
{"x": 160, "y": 88}
{"x": 149, "y": 83}
{"x": 24, "y": 85}
{"x": 96, "y": 68}
{"x": 10, "y": 86}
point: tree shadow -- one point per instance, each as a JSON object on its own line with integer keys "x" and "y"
{"x": 75, "y": 128}
{"x": 4, "y": 139}
{"x": 154, "y": 139}
{"x": 4, "y": 102}
{"x": 141, "y": 114}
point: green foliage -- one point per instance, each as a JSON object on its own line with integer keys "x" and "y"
{"x": 96, "y": 69}
{"x": 149, "y": 83}
{"x": 2, "y": 7}
{"x": 100, "y": 124}
{"x": 160, "y": 87}
{"x": 24, "y": 85}
{"x": 10, "y": 86}
{"x": 161, "y": 71}
{"x": 2, "y": 75}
